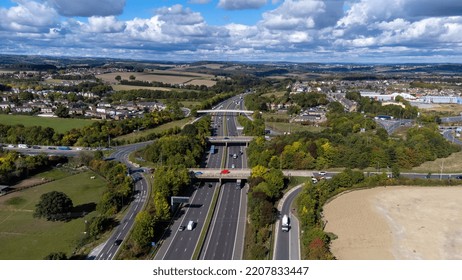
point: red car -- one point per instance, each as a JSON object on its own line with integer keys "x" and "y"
{"x": 224, "y": 171}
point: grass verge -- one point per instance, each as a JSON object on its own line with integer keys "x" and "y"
{"x": 161, "y": 128}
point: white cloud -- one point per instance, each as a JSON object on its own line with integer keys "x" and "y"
{"x": 294, "y": 30}
{"x": 241, "y": 4}
{"x": 303, "y": 14}
{"x": 105, "y": 25}
{"x": 28, "y": 16}
{"x": 177, "y": 15}
{"x": 88, "y": 8}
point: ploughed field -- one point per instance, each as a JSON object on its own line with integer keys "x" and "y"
{"x": 398, "y": 222}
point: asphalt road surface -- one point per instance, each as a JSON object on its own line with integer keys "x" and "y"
{"x": 119, "y": 234}
{"x": 287, "y": 243}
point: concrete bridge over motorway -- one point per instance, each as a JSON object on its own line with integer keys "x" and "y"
{"x": 230, "y": 140}
{"x": 239, "y": 173}
{"x": 224, "y": 111}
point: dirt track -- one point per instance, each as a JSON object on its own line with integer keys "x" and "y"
{"x": 397, "y": 223}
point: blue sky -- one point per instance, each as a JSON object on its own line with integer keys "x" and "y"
{"x": 370, "y": 31}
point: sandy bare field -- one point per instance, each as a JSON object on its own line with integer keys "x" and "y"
{"x": 404, "y": 223}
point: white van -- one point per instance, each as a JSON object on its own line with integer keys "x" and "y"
{"x": 190, "y": 225}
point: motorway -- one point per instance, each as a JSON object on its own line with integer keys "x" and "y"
{"x": 222, "y": 242}
{"x": 180, "y": 245}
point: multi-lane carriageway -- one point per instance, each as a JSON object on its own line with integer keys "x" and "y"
{"x": 225, "y": 236}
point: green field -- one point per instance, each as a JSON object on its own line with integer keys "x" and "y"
{"x": 58, "y": 124}
{"x": 25, "y": 237}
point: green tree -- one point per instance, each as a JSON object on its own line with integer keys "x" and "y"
{"x": 62, "y": 111}
{"x": 53, "y": 206}
{"x": 143, "y": 230}
{"x": 162, "y": 207}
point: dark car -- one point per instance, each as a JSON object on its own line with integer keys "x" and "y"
{"x": 459, "y": 177}
{"x": 118, "y": 242}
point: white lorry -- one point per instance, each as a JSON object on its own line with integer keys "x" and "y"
{"x": 285, "y": 224}
{"x": 190, "y": 225}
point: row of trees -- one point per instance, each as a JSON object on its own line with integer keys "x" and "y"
{"x": 255, "y": 127}
{"x": 119, "y": 189}
{"x": 185, "y": 149}
{"x": 265, "y": 189}
{"x": 150, "y": 95}
{"x": 14, "y": 166}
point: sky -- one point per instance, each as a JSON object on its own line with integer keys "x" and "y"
{"x": 348, "y": 31}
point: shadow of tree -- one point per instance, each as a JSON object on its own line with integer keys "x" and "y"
{"x": 82, "y": 210}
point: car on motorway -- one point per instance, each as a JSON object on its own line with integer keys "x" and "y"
{"x": 118, "y": 242}
{"x": 224, "y": 171}
{"x": 226, "y": 138}
{"x": 51, "y": 148}
{"x": 459, "y": 177}
{"x": 181, "y": 228}
{"x": 35, "y": 147}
